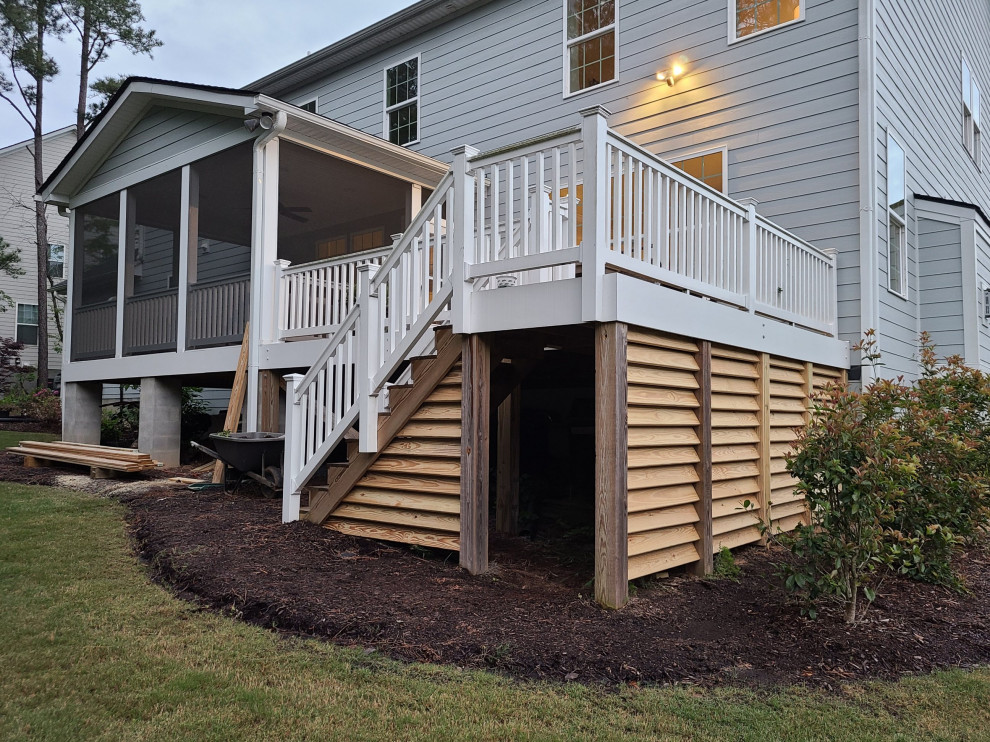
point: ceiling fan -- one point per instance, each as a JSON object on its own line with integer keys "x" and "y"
{"x": 293, "y": 212}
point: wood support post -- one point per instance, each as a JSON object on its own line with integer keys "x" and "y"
{"x": 763, "y": 414}
{"x": 268, "y": 409}
{"x": 237, "y": 393}
{"x": 507, "y": 474}
{"x": 611, "y": 465}
{"x": 475, "y": 415}
{"x": 705, "y": 565}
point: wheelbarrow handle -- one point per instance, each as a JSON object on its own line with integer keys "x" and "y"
{"x": 208, "y": 451}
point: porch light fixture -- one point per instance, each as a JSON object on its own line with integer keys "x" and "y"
{"x": 266, "y": 121}
{"x": 671, "y": 75}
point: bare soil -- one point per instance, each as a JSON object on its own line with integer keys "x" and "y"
{"x": 533, "y": 614}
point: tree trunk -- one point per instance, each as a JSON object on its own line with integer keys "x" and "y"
{"x": 41, "y": 223}
{"x": 83, "y": 75}
{"x": 851, "y": 602}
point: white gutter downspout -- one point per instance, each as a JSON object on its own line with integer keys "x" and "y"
{"x": 869, "y": 300}
{"x": 264, "y": 238}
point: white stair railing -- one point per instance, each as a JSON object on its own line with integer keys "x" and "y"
{"x": 398, "y": 302}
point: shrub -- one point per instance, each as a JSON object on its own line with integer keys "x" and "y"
{"x": 895, "y": 477}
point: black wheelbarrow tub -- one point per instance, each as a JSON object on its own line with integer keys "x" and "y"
{"x": 250, "y": 452}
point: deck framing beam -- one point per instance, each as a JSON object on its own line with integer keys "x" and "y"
{"x": 475, "y": 418}
{"x": 705, "y": 565}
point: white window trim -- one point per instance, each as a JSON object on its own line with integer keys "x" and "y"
{"x": 972, "y": 103}
{"x": 60, "y": 262}
{"x": 905, "y": 272}
{"x": 984, "y": 296}
{"x": 386, "y": 109}
{"x": 688, "y": 154}
{"x": 18, "y": 323}
{"x": 731, "y": 23}
{"x": 316, "y": 100}
{"x": 566, "y": 53}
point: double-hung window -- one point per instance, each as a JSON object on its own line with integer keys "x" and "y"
{"x": 402, "y": 102}
{"x": 748, "y": 17}
{"x": 896, "y": 219}
{"x": 27, "y": 324}
{"x": 590, "y": 30}
{"x": 56, "y": 261}
{"x": 971, "y": 113}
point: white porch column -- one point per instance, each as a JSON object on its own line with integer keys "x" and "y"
{"x": 596, "y": 193}
{"x": 462, "y": 239}
{"x": 264, "y": 252}
{"x": 188, "y": 248}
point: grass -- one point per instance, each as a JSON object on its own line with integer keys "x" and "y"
{"x": 9, "y": 438}
{"x": 92, "y": 650}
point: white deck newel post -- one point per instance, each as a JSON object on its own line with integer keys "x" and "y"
{"x": 832, "y": 308}
{"x": 751, "y": 252}
{"x": 594, "y": 133}
{"x": 461, "y": 231}
{"x": 281, "y": 298}
{"x": 368, "y": 360}
{"x": 294, "y": 442}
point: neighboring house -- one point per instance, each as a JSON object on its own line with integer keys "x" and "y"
{"x": 17, "y": 227}
{"x": 685, "y": 320}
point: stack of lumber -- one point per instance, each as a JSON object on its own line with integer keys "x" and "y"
{"x": 100, "y": 459}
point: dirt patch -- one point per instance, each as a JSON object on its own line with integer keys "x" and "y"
{"x": 533, "y": 615}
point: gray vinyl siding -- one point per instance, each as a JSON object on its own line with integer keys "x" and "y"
{"x": 785, "y": 103}
{"x": 17, "y": 227}
{"x": 940, "y": 285}
{"x": 913, "y": 40}
{"x": 163, "y": 134}
{"x": 983, "y": 281}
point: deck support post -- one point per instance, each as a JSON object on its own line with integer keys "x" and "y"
{"x": 507, "y": 472}
{"x": 159, "y": 419}
{"x": 269, "y": 407}
{"x": 611, "y": 465}
{"x": 81, "y": 402}
{"x": 705, "y": 565}
{"x": 763, "y": 463}
{"x": 595, "y": 236}
{"x": 475, "y": 400}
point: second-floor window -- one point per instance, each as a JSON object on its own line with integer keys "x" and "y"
{"x": 896, "y": 219}
{"x": 56, "y": 261}
{"x": 590, "y": 43}
{"x": 402, "y": 102}
{"x": 747, "y": 17}
{"x": 971, "y": 113}
{"x": 708, "y": 167}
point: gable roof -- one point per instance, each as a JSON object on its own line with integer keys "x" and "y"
{"x": 136, "y": 96}
{"x": 44, "y": 137}
{"x": 408, "y": 21}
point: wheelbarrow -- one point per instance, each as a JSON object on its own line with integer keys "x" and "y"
{"x": 257, "y": 456}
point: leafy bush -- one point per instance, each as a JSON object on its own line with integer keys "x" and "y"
{"x": 895, "y": 477}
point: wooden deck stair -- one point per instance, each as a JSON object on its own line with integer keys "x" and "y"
{"x": 409, "y": 490}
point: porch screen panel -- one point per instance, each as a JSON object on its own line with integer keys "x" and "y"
{"x": 220, "y": 248}
{"x": 663, "y": 445}
{"x": 94, "y": 314}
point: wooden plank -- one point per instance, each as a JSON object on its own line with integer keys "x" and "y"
{"x": 423, "y": 447}
{"x": 735, "y": 539}
{"x": 733, "y": 522}
{"x": 780, "y": 450}
{"x": 662, "y": 377}
{"x": 765, "y": 421}
{"x": 660, "y": 397}
{"x": 445, "y": 394}
{"x": 720, "y": 351}
{"x": 662, "y": 476}
{"x": 653, "y": 520}
{"x": 507, "y": 464}
{"x": 237, "y": 394}
{"x": 475, "y": 401}
{"x": 779, "y": 481}
{"x": 786, "y": 419}
{"x": 786, "y": 376}
{"x": 439, "y": 412}
{"x": 729, "y": 385}
{"x": 723, "y": 454}
{"x": 648, "y": 356}
{"x": 397, "y": 517}
{"x": 440, "y": 430}
{"x": 661, "y": 497}
{"x": 428, "y": 485}
{"x": 143, "y": 460}
{"x": 786, "y": 510}
{"x": 429, "y": 467}
{"x": 658, "y": 340}
{"x": 404, "y": 500}
{"x": 654, "y": 437}
{"x": 103, "y": 450}
{"x": 734, "y": 487}
{"x": 703, "y": 507}
{"x": 738, "y": 369}
{"x": 792, "y": 365}
{"x": 788, "y": 524}
{"x": 643, "y": 543}
{"x": 734, "y": 506}
{"x": 432, "y": 539}
{"x": 659, "y": 561}
{"x": 734, "y": 470}
{"x": 778, "y": 466}
{"x": 85, "y": 460}
{"x": 734, "y": 436}
{"x": 734, "y": 403}
{"x": 787, "y": 390}
{"x": 611, "y": 493}
{"x": 655, "y": 417}
{"x": 643, "y": 457}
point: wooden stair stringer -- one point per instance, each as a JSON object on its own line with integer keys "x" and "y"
{"x": 389, "y": 426}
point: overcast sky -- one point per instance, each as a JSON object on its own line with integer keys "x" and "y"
{"x": 217, "y": 42}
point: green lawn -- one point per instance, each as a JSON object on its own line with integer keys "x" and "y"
{"x": 9, "y": 438}
{"x": 92, "y": 650}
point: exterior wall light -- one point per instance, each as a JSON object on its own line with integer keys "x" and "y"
{"x": 672, "y": 75}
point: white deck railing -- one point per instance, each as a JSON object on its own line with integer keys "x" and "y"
{"x": 518, "y": 212}
{"x": 314, "y": 298}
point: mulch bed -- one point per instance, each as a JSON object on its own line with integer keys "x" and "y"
{"x": 533, "y": 615}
